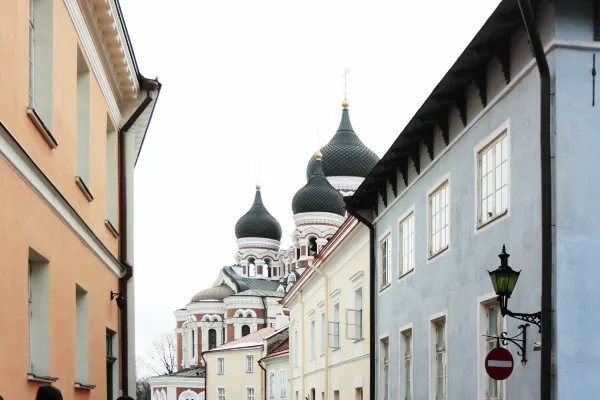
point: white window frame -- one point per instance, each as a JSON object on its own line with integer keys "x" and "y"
{"x": 323, "y": 333}
{"x": 250, "y": 396}
{"x": 283, "y": 378}
{"x": 271, "y": 384}
{"x": 313, "y": 337}
{"x": 384, "y": 260}
{"x": 406, "y": 357}
{"x": 384, "y": 388}
{"x": 220, "y": 365}
{"x": 483, "y": 303}
{"x": 296, "y": 345}
{"x": 249, "y": 363}
{"x": 409, "y": 215}
{"x": 435, "y": 352}
{"x": 222, "y": 396}
{"x": 488, "y": 147}
{"x": 432, "y": 197}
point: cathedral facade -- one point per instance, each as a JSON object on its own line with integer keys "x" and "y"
{"x": 246, "y": 296}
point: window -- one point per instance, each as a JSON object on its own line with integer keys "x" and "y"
{"x": 83, "y": 124}
{"x": 212, "y": 339}
{"x": 111, "y": 358}
{"x": 283, "y": 384}
{"x": 271, "y": 384}
{"x": 493, "y": 179}
{"x": 359, "y": 393}
{"x": 249, "y": 393}
{"x": 407, "y": 244}
{"x": 312, "y": 339}
{"x": 407, "y": 338}
{"x": 354, "y": 317}
{"x": 249, "y": 364}
{"x": 495, "y": 326}
{"x": 221, "y": 394}
{"x": 385, "y": 368}
{"x": 336, "y": 395}
{"x": 296, "y": 345}
{"x": 439, "y": 219}
{"x": 40, "y": 59}
{"x": 38, "y": 310}
{"x": 245, "y": 330}
{"x": 323, "y": 334}
{"x": 194, "y": 343}
{"x": 384, "y": 265}
{"x": 111, "y": 173}
{"x": 81, "y": 341}
{"x": 440, "y": 360}
{"x": 334, "y": 327}
{"x": 220, "y": 366}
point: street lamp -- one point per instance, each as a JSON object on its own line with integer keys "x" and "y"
{"x": 504, "y": 279}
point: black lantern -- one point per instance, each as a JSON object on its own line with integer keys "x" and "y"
{"x": 504, "y": 278}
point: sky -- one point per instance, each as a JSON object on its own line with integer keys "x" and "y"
{"x": 251, "y": 89}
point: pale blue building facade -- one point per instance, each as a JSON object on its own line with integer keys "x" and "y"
{"x": 461, "y": 181}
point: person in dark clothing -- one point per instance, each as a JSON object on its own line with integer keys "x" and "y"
{"x": 48, "y": 393}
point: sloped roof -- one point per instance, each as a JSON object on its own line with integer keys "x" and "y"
{"x": 196, "y": 372}
{"x": 243, "y": 283}
{"x": 279, "y": 350}
{"x": 260, "y": 293}
{"x": 254, "y": 339}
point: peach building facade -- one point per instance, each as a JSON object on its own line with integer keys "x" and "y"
{"x": 74, "y": 112}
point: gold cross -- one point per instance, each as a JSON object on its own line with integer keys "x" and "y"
{"x": 345, "y": 75}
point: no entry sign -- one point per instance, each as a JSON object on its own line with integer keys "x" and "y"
{"x": 499, "y": 363}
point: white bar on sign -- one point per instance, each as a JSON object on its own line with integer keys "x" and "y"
{"x": 497, "y": 363}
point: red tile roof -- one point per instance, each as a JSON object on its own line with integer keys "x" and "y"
{"x": 281, "y": 349}
{"x": 254, "y": 339}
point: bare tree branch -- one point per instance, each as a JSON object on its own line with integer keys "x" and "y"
{"x": 163, "y": 355}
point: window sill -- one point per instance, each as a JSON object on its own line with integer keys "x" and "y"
{"x": 45, "y": 379}
{"x": 406, "y": 274}
{"x": 440, "y": 251}
{"x": 359, "y": 340}
{"x": 84, "y": 386}
{"x": 385, "y": 287}
{"x": 111, "y": 228}
{"x": 491, "y": 219}
{"x": 84, "y": 189}
{"x": 42, "y": 128}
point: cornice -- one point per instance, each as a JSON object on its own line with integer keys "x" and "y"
{"x": 255, "y": 242}
{"x": 315, "y": 218}
{"x": 179, "y": 381}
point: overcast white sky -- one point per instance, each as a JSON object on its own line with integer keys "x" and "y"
{"x": 248, "y": 87}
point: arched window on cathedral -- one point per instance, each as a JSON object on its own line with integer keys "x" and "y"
{"x": 268, "y": 268}
{"x": 297, "y": 253}
{"x": 312, "y": 246}
{"x": 251, "y": 267}
{"x": 245, "y": 330}
{"x": 212, "y": 339}
{"x": 194, "y": 343}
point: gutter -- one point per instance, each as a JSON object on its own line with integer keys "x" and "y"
{"x": 547, "y": 250}
{"x": 372, "y": 295}
{"x": 148, "y": 85}
{"x": 264, "y": 378}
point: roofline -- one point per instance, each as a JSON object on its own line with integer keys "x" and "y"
{"x": 218, "y": 350}
{"x": 276, "y": 332}
{"x": 348, "y": 226}
{"x": 128, "y": 39}
{"x": 277, "y": 355}
{"x": 492, "y": 40}
{"x": 149, "y": 121}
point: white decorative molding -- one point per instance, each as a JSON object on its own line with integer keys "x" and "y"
{"x": 206, "y": 308}
{"x": 315, "y": 218}
{"x": 211, "y": 318}
{"x": 189, "y": 395}
{"x": 93, "y": 57}
{"x": 357, "y": 279}
{"x": 345, "y": 182}
{"x": 22, "y": 165}
{"x": 335, "y": 296}
{"x": 255, "y": 242}
{"x": 176, "y": 381}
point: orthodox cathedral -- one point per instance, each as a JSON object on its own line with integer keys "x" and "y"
{"x": 245, "y": 296}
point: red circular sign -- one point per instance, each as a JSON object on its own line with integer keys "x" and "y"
{"x": 499, "y": 363}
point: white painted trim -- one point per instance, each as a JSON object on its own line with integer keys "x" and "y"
{"x": 401, "y": 359}
{"x": 386, "y": 235}
{"x": 94, "y": 59}
{"x": 335, "y": 296}
{"x": 405, "y": 215}
{"x": 433, "y": 319}
{"x": 443, "y": 180}
{"x": 505, "y": 126}
{"x": 34, "y": 177}
{"x": 358, "y": 279}
{"x": 553, "y": 45}
{"x": 481, "y": 376}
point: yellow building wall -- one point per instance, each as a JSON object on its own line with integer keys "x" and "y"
{"x": 346, "y": 267}
{"x": 236, "y": 379}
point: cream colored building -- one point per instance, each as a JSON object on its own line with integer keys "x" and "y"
{"x": 329, "y": 341}
{"x": 276, "y": 365}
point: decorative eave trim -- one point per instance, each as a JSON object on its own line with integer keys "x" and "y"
{"x": 358, "y": 279}
{"x": 345, "y": 182}
{"x": 185, "y": 381}
{"x": 14, "y": 155}
{"x": 319, "y": 218}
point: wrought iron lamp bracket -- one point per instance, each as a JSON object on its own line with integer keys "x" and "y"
{"x": 520, "y": 343}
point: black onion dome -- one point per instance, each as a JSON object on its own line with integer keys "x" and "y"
{"x": 257, "y": 222}
{"x": 345, "y": 154}
{"x": 318, "y": 195}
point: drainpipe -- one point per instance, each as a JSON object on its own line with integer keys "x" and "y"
{"x": 205, "y": 376}
{"x": 372, "y": 296}
{"x": 546, "y": 196}
{"x": 264, "y": 377}
{"x": 149, "y": 85}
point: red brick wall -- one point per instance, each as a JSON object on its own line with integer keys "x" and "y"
{"x": 259, "y": 270}
{"x": 230, "y": 333}
{"x": 183, "y": 389}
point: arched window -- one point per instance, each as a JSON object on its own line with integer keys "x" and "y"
{"x": 245, "y": 330}
{"x": 312, "y": 246}
{"x": 193, "y": 343}
{"x": 251, "y": 267}
{"x": 268, "y": 268}
{"x": 212, "y": 339}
